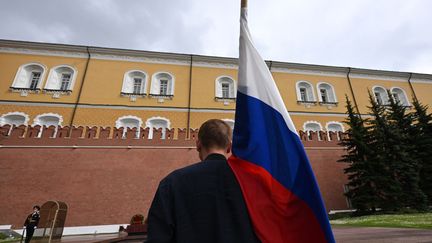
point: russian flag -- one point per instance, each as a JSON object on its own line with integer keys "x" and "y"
{"x": 269, "y": 160}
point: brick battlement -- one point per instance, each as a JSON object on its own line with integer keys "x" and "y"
{"x": 107, "y": 136}
{"x": 106, "y": 175}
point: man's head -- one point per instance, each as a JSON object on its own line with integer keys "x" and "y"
{"x": 36, "y": 208}
{"x": 214, "y": 136}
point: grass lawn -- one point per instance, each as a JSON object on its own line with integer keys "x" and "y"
{"x": 420, "y": 220}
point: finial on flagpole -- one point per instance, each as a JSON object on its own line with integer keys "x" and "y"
{"x": 244, "y": 3}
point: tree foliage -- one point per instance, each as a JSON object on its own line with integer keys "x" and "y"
{"x": 389, "y": 156}
{"x": 423, "y": 142}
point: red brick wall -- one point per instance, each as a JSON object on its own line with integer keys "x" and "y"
{"x": 107, "y": 185}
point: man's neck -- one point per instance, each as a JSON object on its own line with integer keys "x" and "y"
{"x": 206, "y": 153}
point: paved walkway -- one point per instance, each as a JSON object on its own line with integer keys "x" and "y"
{"x": 342, "y": 234}
{"x": 375, "y": 234}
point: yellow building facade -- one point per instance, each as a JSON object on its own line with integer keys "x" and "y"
{"x": 54, "y": 84}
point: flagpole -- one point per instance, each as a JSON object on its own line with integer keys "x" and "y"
{"x": 244, "y": 3}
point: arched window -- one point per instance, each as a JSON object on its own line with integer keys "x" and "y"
{"x": 312, "y": 126}
{"x": 61, "y": 80}
{"x": 48, "y": 119}
{"x": 134, "y": 83}
{"x": 334, "y": 127}
{"x": 326, "y": 93}
{"x": 305, "y": 92}
{"x": 381, "y": 96}
{"x": 162, "y": 85}
{"x": 29, "y": 77}
{"x": 158, "y": 122}
{"x": 225, "y": 88}
{"x": 129, "y": 122}
{"x": 14, "y": 118}
{"x": 399, "y": 95}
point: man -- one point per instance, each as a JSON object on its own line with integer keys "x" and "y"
{"x": 31, "y": 223}
{"x": 202, "y": 202}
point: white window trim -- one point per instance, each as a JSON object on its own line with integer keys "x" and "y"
{"x": 298, "y": 91}
{"x": 150, "y": 126}
{"x": 36, "y": 120}
{"x": 20, "y": 69}
{"x": 404, "y": 93}
{"x": 315, "y": 122}
{"x": 126, "y": 79}
{"x": 118, "y": 124}
{"x": 386, "y": 102}
{"x": 73, "y": 76}
{"x": 332, "y": 90}
{"x": 335, "y": 122}
{"x": 218, "y": 85}
{"x": 26, "y": 117}
{"x": 154, "y": 81}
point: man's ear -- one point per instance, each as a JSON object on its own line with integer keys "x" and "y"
{"x": 198, "y": 145}
{"x": 229, "y": 148}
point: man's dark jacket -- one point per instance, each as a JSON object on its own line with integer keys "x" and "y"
{"x": 32, "y": 220}
{"x": 200, "y": 203}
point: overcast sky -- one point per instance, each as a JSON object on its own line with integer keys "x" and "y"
{"x": 378, "y": 34}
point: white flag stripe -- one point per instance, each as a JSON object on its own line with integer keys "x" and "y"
{"x": 255, "y": 78}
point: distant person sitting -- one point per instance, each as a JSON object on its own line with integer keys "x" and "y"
{"x": 202, "y": 202}
{"x": 31, "y": 223}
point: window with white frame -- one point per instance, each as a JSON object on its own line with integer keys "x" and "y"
{"x": 156, "y": 123}
{"x": 65, "y": 81}
{"x": 14, "y": 119}
{"x": 134, "y": 84}
{"x": 312, "y": 126}
{"x": 225, "y": 88}
{"x": 47, "y": 120}
{"x": 35, "y": 79}
{"x": 381, "y": 96}
{"x": 61, "y": 79}
{"x": 29, "y": 77}
{"x": 305, "y": 92}
{"x": 130, "y": 122}
{"x": 162, "y": 85}
{"x": 399, "y": 96}
{"x": 137, "y": 88}
{"x": 335, "y": 127}
{"x": 303, "y": 95}
{"x": 326, "y": 93}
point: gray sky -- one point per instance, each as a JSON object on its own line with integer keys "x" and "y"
{"x": 377, "y": 34}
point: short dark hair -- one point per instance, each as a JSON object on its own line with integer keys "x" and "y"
{"x": 36, "y": 206}
{"x": 215, "y": 133}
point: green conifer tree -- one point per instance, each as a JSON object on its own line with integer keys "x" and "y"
{"x": 361, "y": 188}
{"x": 402, "y": 154}
{"x": 423, "y": 143}
{"x": 383, "y": 159}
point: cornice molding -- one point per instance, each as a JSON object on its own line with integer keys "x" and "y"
{"x": 378, "y": 77}
{"x": 143, "y": 59}
{"x": 421, "y": 81}
{"x": 77, "y": 51}
{"x": 56, "y": 53}
{"x": 308, "y": 72}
